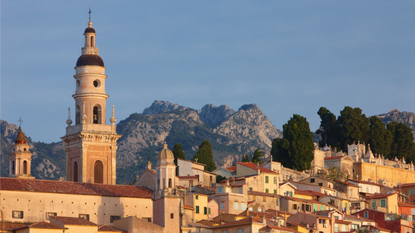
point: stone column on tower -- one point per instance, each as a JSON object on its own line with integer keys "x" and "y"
{"x": 91, "y": 144}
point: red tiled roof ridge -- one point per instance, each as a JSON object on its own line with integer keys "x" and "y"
{"x": 187, "y": 207}
{"x": 104, "y": 227}
{"x": 364, "y": 182}
{"x": 73, "y": 221}
{"x": 376, "y": 196}
{"x": 43, "y": 225}
{"x": 69, "y": 187}
{"x": 254, "y": 166}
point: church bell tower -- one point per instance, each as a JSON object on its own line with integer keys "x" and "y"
{"x": 91, "y": 144}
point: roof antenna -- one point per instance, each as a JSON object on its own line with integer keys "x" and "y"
{"x": 90, "y": 14}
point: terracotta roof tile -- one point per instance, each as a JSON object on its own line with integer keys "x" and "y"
{"x": 335, "y": 157}
{"x": 342, "y": 222}
{"x": 187, "y": 207}
{"x": 271, "y": 226}
{"x": 67, "y": 187}
{"x": 245, "y": 221}
{"x": 109, "y": 228}
{"x": 364, "y": 182}
{"x": 378, "y": 196}
{"x": 232, "y": 169}
{"x": 45, "y": 225}
{"x": 403, "y": 204}
{"x": 12, "y": 226}
{"x": 256, "y": 167}
{"x": 73, "y": 221}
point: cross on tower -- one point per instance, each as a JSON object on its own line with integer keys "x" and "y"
{"x": 89, "y": 14}
{"x": 20, "y": 120}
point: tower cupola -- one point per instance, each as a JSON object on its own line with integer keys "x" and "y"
{"x": 20, "y": 157}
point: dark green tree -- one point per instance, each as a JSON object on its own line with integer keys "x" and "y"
{"x": 326, "y": 130}
{"x": 204, "y": 155}
{"x": 257, "y": 156}
{"x": 295, "y": 149}
{"x": 402, "y": 144}
{"x": 379, "y": 138}
{"x": 350, "y": 127}
{"x": 178, "y": 152}
{"x": 219, "y": 178}
{"x": 245, "y": 158}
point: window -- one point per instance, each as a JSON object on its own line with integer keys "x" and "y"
{"x": 209, "y": 211}
{"x": 224, "y": 231}
{"x": 78, "y": 115}
{"x": 319, "y": 221}
{"x": 113, "y": 218}
{"x": 197, "y": 197}
{"x": 321, "y": 208}
{"x": 240, "y": 231}
{"x": 382, "y": 202}
{"x": 267, "y": 190}
{"x": 197, "y": 209}
{"x": 240, "y": 191}
{"x": 84, "y": 216}
{"x": 351, "y": 192}
{"x": 222, "y": 206}
{"x": 336, "y": 217}
{"x": 204, "y": 210}
{"x": 170, "y": 183}
{"x": 366, "y": 214}
{"x": 235, "y": 205}
{"x": 266, "y": 179}
{"x": 243, "y": 206}
{"x": 96, "y": 115}
{"x": 98, "y": 172}
{"x": 259, "y": 209}
{"x": 275, "y": 180}
{"x": 250, "y": 208}
{"x": 17, "y": 214}
{"x": 75, "y": 171}
{"x": 25, "y": 166}
{"x": 312, "y": 180}
{"x": 250, "y": 189}
{"x": 50, "y": 214}
{"x": 275, "y": 191}
{"x": 13, "y": 167}
{"x": 411, "y": 192}
{"x": 373, "y": 204}
{"x": 264, "y": 198}
{"x": 315, "y": 207}
{"x": 172, "y": 216}
{"x": 220, "y": 190}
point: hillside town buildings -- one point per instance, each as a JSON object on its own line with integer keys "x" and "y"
{"x": 371, "y": 194}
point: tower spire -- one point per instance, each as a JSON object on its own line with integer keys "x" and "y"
{"x": 20, "y": 121}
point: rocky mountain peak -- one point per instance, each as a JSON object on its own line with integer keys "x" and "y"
{"x": 161, "y": 106}
{"x": 213, "y": 116}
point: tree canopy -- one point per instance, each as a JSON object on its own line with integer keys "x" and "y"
{"x": 295, "y": 149}
{"x": 204, "y": 155}
{"x": 178, "y": 152}
{"x": 351, "y": 126}
{"x": 402, "y": 145}
{"x": 257, "y": 156}
{"x": 327, "y": 125}
{"x": 245, "y": 158}
{"x": 379, "y": 138}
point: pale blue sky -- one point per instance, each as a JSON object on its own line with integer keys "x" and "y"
{"x": 288, "y": 57}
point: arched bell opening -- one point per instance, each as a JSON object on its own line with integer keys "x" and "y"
{"x": 96, "y": 114}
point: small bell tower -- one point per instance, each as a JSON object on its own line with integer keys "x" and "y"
{"x": 91, "y": 144}
{"x": 20, "y": 158}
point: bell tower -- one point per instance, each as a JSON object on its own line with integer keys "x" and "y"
{"x": 20, "y": 158}
{"x": 91, "y": 144}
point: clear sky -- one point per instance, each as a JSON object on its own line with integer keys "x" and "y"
{"x": 288, "y": 57}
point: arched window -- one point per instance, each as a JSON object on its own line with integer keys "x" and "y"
{"x": 25, "y": 167}
{"x": 170, "y": 183}
{"x": 75, "y": 171}
{"x": 13, "y": 167}
{"x": 98, "y": 172}
{"x": 78, "y": 115}
{"x": 97, "y": 115}
{"x": 92, "y": 41}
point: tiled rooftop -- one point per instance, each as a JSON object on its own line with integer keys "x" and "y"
{"x": 68, "y": 187}
{"x": 108, "y": 228}
{"x": 256, "y": 167}
{"x": 73, "y": 221}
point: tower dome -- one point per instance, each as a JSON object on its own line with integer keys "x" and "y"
{"x": 165, "y": 153}
{"x": 90, "y": 55}
{"x": 20, "y": 137}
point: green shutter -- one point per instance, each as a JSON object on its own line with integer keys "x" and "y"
{"x": 383, "y": 203}
{"x": 266, "y": 179}
{"x": 204, "y": 210}
{"x": 197, "y": 209}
